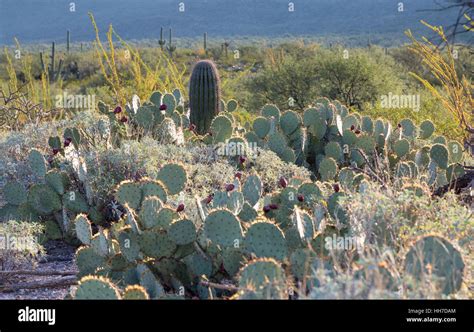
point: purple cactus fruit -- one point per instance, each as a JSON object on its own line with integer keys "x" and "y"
{"x": 283, "y": 182}
{"x": 118, "y": 110}
{"x": 67, "y": 141}
{"x": 266, "y": 209}
{"x": 336, "y": 188}
{"x": 163, "y": 107}
{"x": 124, "y": 119}
{"x": 399, "y": 125}
{"x": 180, "y": 207}
{"x": 238, "y": 175}
{"x": 357, "y": 132}
{"x": 300, "y": 197}
{"x": 273, "y": 206}
{"x": 352, "y": 127}
{"x": 55, "y": 151}
{"x": 242, "y": 159}
{"x": 192, "y": 127}
{"x": 229, "y": 187}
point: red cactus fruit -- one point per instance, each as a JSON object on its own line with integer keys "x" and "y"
{"x": 283, "y": 182}
{"x": 238, "y": 175}
{"x": 180, "y": 207}
{"x": 229, "y": 187}
{"x": 300, "y": 197}
{"x": 336, "y": 188}
{"x": 352, "y": 127}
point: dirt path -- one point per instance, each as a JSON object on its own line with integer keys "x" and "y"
{"x": 59, "y": 258}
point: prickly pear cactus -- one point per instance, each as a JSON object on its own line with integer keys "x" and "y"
{"x": 95, "y": 288}
{"x": 174, "y": 177}
{"x": 434, "y": 256}
{"x": 223, "y": 228}
{"x": 37, "y": 163}
{"x": 262, "y": 279}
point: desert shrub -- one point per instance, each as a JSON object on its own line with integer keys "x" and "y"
{"x": 283, "y": 79}
{"x": 356, "y": 77}
{"x": 408, "y": 214}
{"x": 353, "y": 76}
{"x": 271, "y": 168}
{"x": 401, "y": 217}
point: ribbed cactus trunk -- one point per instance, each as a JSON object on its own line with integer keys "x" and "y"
{"x": 204, "y": 95}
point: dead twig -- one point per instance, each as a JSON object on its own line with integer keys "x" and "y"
{"x": 38, "y": 273}
{"x": 63, "y": 282}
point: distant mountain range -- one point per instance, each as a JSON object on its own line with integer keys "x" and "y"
{"x": 33, "y": 21}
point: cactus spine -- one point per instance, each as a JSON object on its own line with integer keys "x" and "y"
{"x": 204, "y": 95}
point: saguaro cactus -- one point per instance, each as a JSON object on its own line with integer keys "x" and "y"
{"x": 204, "y": 95}
{"x": 161, "y": 42}
{"x": 53, "y": 73}
{"x": 68, "y": 40}
{"x": 171, "y": 48}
